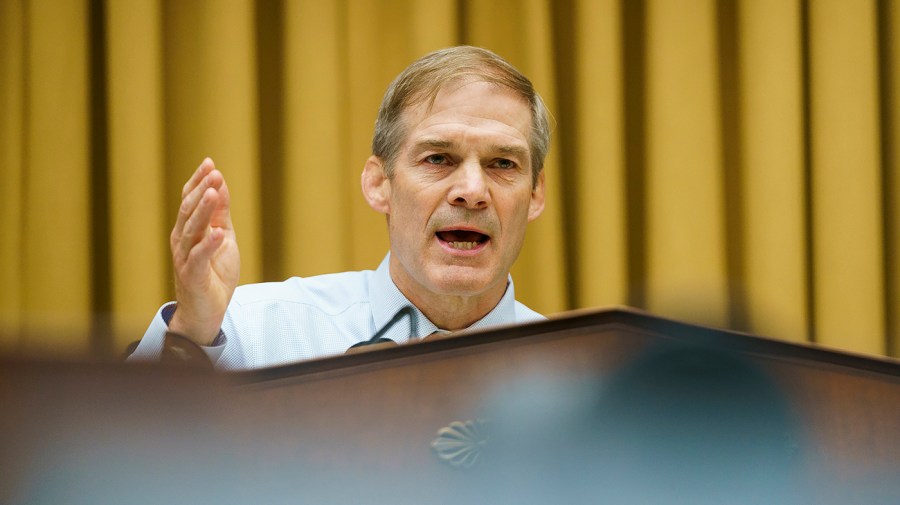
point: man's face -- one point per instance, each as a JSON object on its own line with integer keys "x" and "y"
{"x": 461, "y": 194}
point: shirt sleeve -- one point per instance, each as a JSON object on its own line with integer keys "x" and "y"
{"x": 151, "y": 345}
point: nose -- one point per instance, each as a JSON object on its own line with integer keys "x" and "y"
{"x": 470, "y": 187}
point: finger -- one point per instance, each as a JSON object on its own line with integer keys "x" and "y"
{"x": 222, "y": 214}
{"x": 206, "y": 166}
{"x": 190, "y": 202}
{"x": 196, "y": 265}
{"x": 185, "y": 211}
{"x": 190, "y": 195}
{"x": 196, "y": 227}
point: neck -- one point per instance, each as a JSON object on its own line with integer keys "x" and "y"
{"x": 451, "y": 312}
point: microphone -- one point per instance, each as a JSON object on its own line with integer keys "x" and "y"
{"x": 379, "y": 337}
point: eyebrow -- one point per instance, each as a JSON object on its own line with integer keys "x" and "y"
{"x": 508, "y": 150}
{"x": 511, "y": 150}
{"x": 433, "y": 144}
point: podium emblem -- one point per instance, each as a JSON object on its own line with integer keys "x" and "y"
{"x": 460, "y": 444}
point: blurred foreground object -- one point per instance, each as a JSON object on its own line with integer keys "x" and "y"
{"x": 610, "y": 406}
{"x": 677, "y": 425}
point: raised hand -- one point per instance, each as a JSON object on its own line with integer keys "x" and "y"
{"x": 205, "y": 255}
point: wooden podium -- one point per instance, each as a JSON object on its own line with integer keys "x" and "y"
{"x": 442, "y": 421}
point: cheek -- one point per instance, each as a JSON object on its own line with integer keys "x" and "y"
{"x": 417, "y": 205}
{"x": 521, "y": 211}
{"x": 517, "y": 219}
{"x": 407, "y": 219}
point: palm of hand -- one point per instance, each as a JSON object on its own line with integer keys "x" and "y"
{"x": 205, "y": 256}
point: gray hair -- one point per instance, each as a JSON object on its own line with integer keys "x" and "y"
{"x": 424, "y": 78}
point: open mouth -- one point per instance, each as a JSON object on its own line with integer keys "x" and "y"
{"x": 462, "y": 239}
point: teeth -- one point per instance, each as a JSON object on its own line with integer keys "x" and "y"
{"x": 463, "y": 245}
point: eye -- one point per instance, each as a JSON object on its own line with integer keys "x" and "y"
{"x": 504, "y": 163}
{"x": 437, "y": 159}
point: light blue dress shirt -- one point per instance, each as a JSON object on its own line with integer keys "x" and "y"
{"x": 276, "y": 323}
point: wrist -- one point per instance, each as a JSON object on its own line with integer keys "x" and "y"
{"x": 201, "y": 334}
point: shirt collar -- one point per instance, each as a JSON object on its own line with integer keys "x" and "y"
{"x": 386, "y": 300}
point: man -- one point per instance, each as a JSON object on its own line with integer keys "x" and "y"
{"x": 456, "y": 167}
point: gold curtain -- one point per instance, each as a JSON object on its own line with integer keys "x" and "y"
{"x": 726, "y": 162}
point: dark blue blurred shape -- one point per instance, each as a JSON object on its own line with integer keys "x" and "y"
{"x": 679, "y": 424}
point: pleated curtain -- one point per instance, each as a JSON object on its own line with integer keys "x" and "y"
{"x": 733, "y": 163}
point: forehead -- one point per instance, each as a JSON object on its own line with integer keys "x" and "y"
{"x": 471, "y": 109}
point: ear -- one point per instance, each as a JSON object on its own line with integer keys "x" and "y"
{"x": 376, "y": 187}
{"x": 536, "y": 206}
